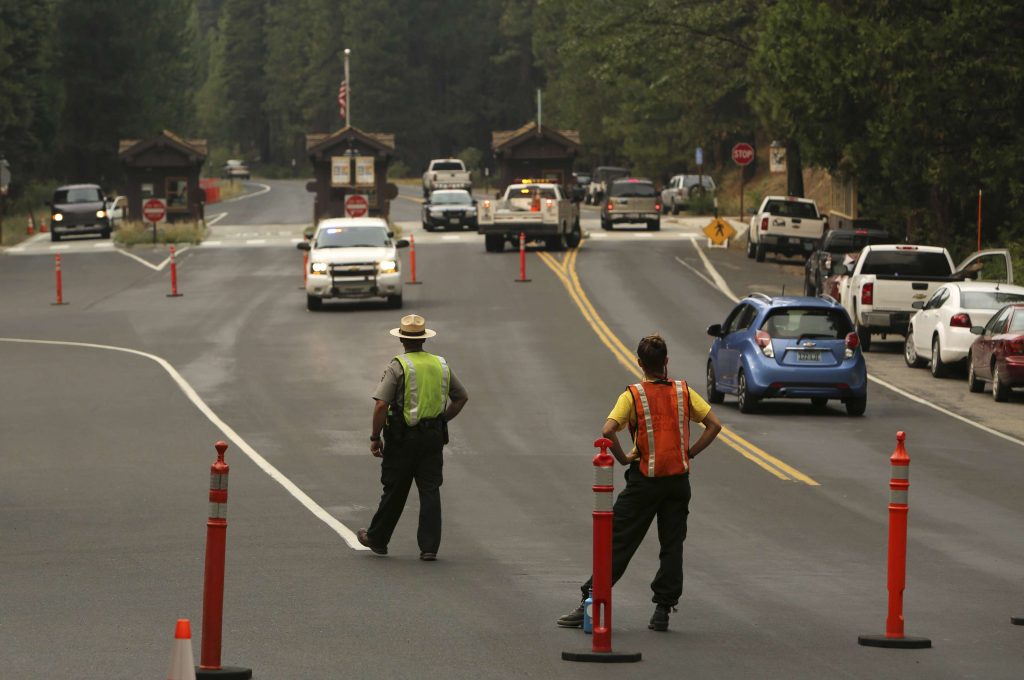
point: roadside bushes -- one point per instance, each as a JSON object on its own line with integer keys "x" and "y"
{"x": 137, "y": 233}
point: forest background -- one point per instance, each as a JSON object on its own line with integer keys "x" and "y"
{"x": 920, "y": 103}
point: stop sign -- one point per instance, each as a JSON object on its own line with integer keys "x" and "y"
{"x": 154, "y": 209}
{"x": 743, "y": 153}
{"x": 356, "y": 205}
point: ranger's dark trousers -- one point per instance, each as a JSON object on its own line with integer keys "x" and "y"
{"x": 643, "y": 499}
{"x": 417, "y": 456}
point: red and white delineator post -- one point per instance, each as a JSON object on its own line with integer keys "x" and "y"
{"x": 213, "y": 586}
{"x": 174, "y": 276}
{"x": 60, "y": 281}
{"x": 899, "y": 490}
{"x": 604, "y": 489}
{"x": 412, "y": 262}
{"x": 522, "y": 259}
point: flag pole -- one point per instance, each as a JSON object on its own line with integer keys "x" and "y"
{"x": 348, "y": 92}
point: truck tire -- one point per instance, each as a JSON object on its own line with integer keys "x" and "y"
{"x": 395, "y": 301}
{"x": 654, "y": 225}
{"x": 313, "y": 303}
{"x": 760, "y": 251}
{"x": 750, "y": 248}
{"x": 574, "y": 238}
{"x": 555, "y": 243}
{"x": 494, "y": 243}
{"x": 864, "y": 335}
{"x": 855, "y": 406}
{"x": 675, "y": 208}
{"x": 606, "y": 224}
{"x": 54, "y": 236}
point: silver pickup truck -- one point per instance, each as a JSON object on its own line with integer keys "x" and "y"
{"x": 784, "y": 224}
{"x": 539, "y": 210}
{"x": 446, "y": 173}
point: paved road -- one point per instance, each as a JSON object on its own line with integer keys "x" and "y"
{"x": 106, "y": 462}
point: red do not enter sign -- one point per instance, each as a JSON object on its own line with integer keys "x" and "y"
{"x": 356, "y": 205}
{"x": 743, "y": 153}
{"x": 154, "y": 209}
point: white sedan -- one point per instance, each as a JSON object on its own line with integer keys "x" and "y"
{"x": 940, "y": 332}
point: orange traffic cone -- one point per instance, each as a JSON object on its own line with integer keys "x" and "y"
{"x": 29, "y": 229}
{"x": 535, "y": 204}
{"x": 42, "y": 225}
{"x": 182, "y": 664}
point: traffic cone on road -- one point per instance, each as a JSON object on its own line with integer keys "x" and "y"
{"x": 42, "y": 225}
{"x": 29, "y": 229}
{"x": 183, "y": 665}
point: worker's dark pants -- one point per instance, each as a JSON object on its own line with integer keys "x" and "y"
{"x": 416, "y": 457}
{"x": 643, "y": 499}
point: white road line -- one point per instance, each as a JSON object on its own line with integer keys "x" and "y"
{"x": 346, "y": 534}
{"x": 216, "y": 218}
{"x": 643, "y": 235}
{"x": 724, "y": 287}
{"x": 104, "y": 244}
{"x": 697, "y": 272}
{"x": 451, "y": 237}
{"x": 154, "y": 267}
{"x": 212, "y": 243}
{"x": 264, "y": 189}
{"x": 60, "y": 247}
{"x": 255, "y": 241}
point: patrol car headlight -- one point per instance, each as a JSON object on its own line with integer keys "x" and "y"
{"x": 57, "y": 217}
{"x": 318, "y": 268}
{"x": 387, "y": 266}
{"x": 435, "y": 212}
{"x": 101, "y": 213}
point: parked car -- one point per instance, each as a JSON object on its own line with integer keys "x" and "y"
{"x": 832, "y": 248}
{"x": 785, "y": 225}
{"x": 631, "y": 200}
{"x": 997, "y": 355}
{"x": 788, "y": 348}
{"x": 79, "y": 209}
{"x": 449, "y": 208}
{"x": 353, "y": 258}
{"x": 941, "y": 328}
{"x": 681, "y": 188}
{"x": 235, "y": 169}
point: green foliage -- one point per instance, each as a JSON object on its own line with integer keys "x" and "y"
{"x": 399, "y": 170}
{"x": 139, "y": 233}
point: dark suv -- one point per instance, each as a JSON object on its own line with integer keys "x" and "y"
{"x": 79, "y": 209}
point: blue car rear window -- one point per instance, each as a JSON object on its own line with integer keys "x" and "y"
{"x": 792, "y": 323}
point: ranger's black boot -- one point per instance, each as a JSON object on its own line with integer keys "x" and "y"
{"x": 659, "y": 620}
{"x": 573, "y": 619}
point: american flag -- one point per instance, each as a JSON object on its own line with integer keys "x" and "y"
{"x": 342, "y": 92}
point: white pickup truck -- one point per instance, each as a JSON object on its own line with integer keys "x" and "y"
{"x": 784, "y": 224}
{"x": 880, "y": 289}
{"x": 540, "y": 210}
{"x": 446, "y": 173}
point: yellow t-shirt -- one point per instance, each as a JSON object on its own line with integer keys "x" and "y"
{"x": 625, "y": 412}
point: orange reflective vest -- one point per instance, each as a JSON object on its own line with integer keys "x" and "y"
{"x": 662, "y": 432}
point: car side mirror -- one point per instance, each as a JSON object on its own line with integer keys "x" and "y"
{"x": 402, "y": 243}
{"x": 918, "y": 304}
{"x": 303, "y": 245}
{"x": 715, "y": 330}
{"x": 978, "y": 330}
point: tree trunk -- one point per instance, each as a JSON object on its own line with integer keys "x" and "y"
{"x": 794, "y": 170}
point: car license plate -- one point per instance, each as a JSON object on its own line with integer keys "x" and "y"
{"x": 808, "y": 355}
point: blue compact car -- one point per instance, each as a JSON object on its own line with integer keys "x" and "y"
{"x": 787, "y": 348}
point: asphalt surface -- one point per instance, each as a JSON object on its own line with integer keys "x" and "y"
{"x": 105, "y": 473}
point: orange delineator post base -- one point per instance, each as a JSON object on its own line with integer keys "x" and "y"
{"x": 899, "y": 490}
{"x": 603, "y": 515}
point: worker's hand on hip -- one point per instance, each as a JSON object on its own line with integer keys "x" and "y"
{"x": 376, "y": 449}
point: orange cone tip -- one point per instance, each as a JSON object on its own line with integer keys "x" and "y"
{"x": 183, "y": 631}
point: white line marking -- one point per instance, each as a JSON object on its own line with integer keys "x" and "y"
{"x": 724, "y": 288}
{"x": 643, "y": 235}
{"x": 212, "y": 243}
{"x": 451, "y": 237}
{"x": 255, "y": 241}
{"x": 697, "y": 272}
{"x": 265, "y": 188}
{"x": 599, "y": 234}
{"x": 154, "y": 267}
{"x": 60, "y": 247}
{"x": 346, "y": 534}
{"x": 216, "y": 218}
{"x": 104, "y": 244}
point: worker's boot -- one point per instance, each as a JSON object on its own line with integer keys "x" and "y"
{"x": 659, "y": 620}
{"x": 573, "y": 619}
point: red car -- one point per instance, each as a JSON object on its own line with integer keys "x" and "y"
{"x": 997, "y": 355}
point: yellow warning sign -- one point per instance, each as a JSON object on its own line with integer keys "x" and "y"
{"x": 719, "y": 231}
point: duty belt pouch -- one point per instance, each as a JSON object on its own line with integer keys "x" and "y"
{"x": 394, "y": 428}
{"x": 444, "y": 430}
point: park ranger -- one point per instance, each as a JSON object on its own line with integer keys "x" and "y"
{"x": 416, "y": 398}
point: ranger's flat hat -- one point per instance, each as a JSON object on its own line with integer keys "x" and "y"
{"x": 414, "y": 327}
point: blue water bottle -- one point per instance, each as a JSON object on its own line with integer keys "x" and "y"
{"x": 588, "y": 625}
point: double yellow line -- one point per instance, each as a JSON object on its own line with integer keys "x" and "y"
{"x": 565, "y": 270}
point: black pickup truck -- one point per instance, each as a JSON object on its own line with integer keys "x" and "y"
{"x": 833, "y": 245}
{"x": 79, "y": 209}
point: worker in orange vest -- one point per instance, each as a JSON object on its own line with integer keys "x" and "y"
{"x": 658, "y": 412}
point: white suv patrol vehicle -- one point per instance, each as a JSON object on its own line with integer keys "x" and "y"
{"x": 353, "y": 258}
